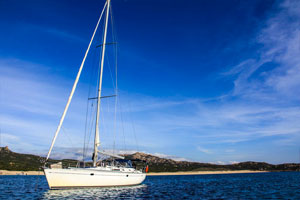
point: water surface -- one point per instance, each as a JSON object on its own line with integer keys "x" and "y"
{"x": 280, "y": 185}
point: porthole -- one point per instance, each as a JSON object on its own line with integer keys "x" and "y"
{"x": 92, "y": 174}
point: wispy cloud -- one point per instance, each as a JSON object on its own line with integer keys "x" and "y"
{"x": 176, "y": 158}
{"x": 63, "y": 34}
{"x": 30, "y": 102}
{"x": 280, "y": 41}
{"x": 158, "y": 122}
{"x": 263, "y": 105}
{"x": 204, "y": 150}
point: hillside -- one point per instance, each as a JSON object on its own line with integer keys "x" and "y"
{"x": 10, "y": 160}
{"x": 157, "y": 164}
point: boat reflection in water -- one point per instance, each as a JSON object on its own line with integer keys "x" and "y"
{"x": 95, "y": 193}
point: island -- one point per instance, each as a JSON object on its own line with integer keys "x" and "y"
{"x": 12, "y": 163}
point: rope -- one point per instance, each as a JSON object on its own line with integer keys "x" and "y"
{"x": 114, "y": 38}
{"x": 133, "y": 127}
{"x": 68, "y": 136}
{"x": 122, "y": 122}
{"x": 74, "y": 86}
{"x": 92, "y": 77}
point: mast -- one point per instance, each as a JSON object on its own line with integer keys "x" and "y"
{"x": 97, "y": 140}
{"x": 74, "y": 87}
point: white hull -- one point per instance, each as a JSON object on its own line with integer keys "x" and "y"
{"x": 91, "y": 177}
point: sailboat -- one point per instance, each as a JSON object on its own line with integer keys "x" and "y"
{"x": 95, "y": 176}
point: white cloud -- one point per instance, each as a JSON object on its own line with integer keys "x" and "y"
{"x": 26, "y": 87}
{"x": 63, "y": 34}
{"x": 176, "y": 158}
{"x": 263, "y": 103}
{"x": 229, "y": 150}
{"x": 280, "y": 39}
{"x": 204, "y": 150}
{"x": 15, "y": 142}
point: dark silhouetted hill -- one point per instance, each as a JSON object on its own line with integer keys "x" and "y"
{"x": 10, "y": 160}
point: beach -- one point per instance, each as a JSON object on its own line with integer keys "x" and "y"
{"x": 6, "y": 172}
{"x": 203, "y": 172}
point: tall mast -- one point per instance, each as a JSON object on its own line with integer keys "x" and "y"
{"x": 97, "y": 141}
{"x": 74, "y": 87}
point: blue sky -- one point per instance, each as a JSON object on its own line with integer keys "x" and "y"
{"x": 208, "y": 81}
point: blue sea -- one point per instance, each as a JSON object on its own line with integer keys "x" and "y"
{"x": 277, "y": 185}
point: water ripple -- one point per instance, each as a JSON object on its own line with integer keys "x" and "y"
{"x": 283, "y": 185}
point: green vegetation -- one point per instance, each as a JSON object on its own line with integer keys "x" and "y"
{"x": 157, "y": 164}
{"x": 25, "y": 162}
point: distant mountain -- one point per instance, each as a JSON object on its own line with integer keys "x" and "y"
{"x": 157, "y": 164}
{"x": 26, "y": 162}
{"x": 10, "y": 160}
